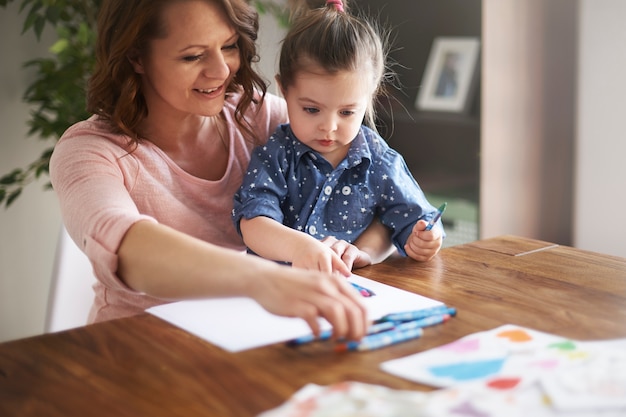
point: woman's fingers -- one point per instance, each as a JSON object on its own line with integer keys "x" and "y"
{"x": 311, "y": 295}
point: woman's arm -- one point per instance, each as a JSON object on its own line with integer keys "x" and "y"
{"x": 165, "y": 263}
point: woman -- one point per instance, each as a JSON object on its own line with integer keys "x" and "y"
{"x": 146, "y": 184}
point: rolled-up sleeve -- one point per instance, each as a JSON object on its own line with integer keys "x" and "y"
{"x": 95, "y": 203}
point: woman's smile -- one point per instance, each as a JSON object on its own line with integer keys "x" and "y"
{"x": 210, "y": 92}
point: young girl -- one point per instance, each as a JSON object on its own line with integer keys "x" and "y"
{"x": 325, "y": 174}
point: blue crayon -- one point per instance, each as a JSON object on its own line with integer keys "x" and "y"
{"x": 425, "y": 322}
{"x": 418, "y": 314}
{"x": 434, "y": 220}
{"x": 381, "y": 327}
{"x": 380, "y": 340}
{"x": 324, "y": 335}
{"x": 365, "y": 292}
{"x": 403, "y": 331}
{"x": 327, "y": 334}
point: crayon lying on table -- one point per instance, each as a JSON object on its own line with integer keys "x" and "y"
{"x": 402, "y": 332}
{"x": 417, "y": 314}
{"x": 380, "y": 340}
{"x": 327, "y": 334}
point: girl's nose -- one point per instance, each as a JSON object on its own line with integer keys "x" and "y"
{"x": 328, "y": 124}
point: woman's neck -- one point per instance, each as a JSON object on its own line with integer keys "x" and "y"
{"x": 197, "y": 144}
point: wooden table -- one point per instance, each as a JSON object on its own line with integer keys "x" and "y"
{"x": 142, "y": 366}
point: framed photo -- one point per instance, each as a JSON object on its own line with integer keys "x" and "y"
{"x": 450, "y": 75}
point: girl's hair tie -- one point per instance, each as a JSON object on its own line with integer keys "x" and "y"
{"x": 338, "y": 4}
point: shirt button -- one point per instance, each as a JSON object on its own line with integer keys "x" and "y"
{"x": 346, "y": 190}
{"x": 328, "y": 190}
{"x": 312, "y": 230}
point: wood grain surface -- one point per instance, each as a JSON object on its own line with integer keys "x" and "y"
{"x": 143, "y": 366}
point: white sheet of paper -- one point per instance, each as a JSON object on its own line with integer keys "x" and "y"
{"x": 239, "y": 323}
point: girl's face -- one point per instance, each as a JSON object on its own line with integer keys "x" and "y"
{"x": 326, "y": 110}
{"x": 188, "y": 71}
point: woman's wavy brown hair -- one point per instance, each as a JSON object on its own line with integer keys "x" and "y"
{"x": 125, "y": 28}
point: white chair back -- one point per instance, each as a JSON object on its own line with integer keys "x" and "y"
{"x": 71, "y": 294}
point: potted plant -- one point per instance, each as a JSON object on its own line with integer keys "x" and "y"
{"x": 57, "y": 95}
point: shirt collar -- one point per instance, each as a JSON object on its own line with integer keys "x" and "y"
{"x": 359, "y": 149}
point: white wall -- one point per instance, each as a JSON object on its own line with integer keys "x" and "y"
{"x": 553, "y": 147}
{"x": 527, "y": 118}
{"x": 270, "y": 37}
{"x": 28, "y": 229}
{"x": 600, "y": 192}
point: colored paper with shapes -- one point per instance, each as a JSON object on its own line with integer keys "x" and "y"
{"x": 508, "y": 351}
{"x": 598, "y": 382}
{"x": 515, "y": 371}
{"x": 350, "y": 398}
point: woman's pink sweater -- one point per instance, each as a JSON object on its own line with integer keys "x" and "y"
{"x": 103, "y": 189}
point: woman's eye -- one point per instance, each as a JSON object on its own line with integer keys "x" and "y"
{"x": 192, "y": 58}
{"x": 311, "y": 110}
{"x": 232, "y": 46}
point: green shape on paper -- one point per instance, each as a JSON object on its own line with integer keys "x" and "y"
{"x": 567, "y": 345}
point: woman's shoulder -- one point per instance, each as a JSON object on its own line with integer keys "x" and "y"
{"x": 90, "y": 139}
{"x": 266, "y": 111}
{"x": 268, "y": 102}
{"x": 94, "y": 128}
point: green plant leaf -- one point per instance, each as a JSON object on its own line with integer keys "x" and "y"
{"x": 12, "y": 196}
{"x": 59, "y": 46}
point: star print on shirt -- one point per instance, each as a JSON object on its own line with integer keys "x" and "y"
{"x": 373, "y": 181}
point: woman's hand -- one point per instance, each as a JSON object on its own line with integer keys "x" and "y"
{"x": 423, "y": 245}
{"x": 295, "y": 292}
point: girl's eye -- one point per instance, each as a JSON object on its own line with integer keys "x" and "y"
{"x": 192, "y": 58}
{"x": 311, "y": 110}
{"x": 347, "y": 113}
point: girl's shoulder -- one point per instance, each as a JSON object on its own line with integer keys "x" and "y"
{"x": 377, "y": 145}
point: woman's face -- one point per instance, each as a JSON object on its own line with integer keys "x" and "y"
{"x": 189, "y": 70}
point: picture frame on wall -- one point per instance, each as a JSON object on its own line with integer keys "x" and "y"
{"x": 450, "y": 77}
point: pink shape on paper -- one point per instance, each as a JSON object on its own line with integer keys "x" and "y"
{"x": 546, "y": 363}
{"x": 467, "y": 409}
{"x": 463, "y": 346}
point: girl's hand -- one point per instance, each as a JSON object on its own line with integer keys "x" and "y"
{"x": 351, "y": 255}
{"x": 324, "y": 256}
{"x": 423, "y": 245}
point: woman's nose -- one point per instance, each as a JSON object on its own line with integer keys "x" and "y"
{"x": 218, "y": 67}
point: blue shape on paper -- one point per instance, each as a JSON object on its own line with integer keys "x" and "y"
{"x": 465, "y": 371}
